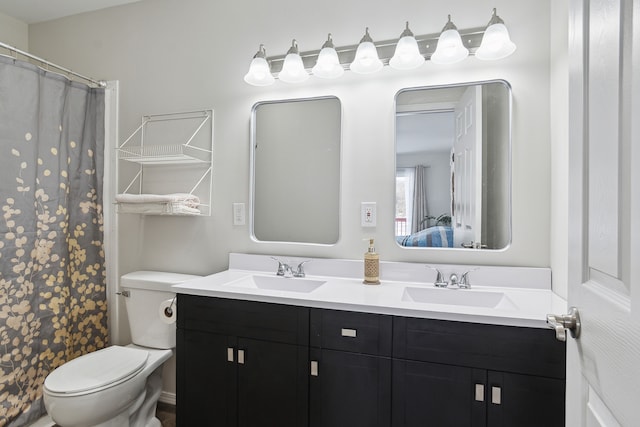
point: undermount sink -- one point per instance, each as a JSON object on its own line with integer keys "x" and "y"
{"x": 278, "y": 283}
{"x": 464, "y": 297}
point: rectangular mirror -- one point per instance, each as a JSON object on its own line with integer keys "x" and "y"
{"x": 295, "y": 163}
{"x": 453, "y": 166}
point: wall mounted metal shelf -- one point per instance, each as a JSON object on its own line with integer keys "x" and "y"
{"x": 186, "y": 167}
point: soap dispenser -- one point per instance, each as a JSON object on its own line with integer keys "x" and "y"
{"x": 371, "y": 266}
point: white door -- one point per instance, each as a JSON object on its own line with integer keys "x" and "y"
{"x": 467, "y": 166}
{"x": 603, "y": 364}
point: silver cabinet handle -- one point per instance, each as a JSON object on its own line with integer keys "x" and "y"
{"x": 314, "y": 368}
{"x": 479, "y": 392}
{"x": 496, "y": 395}
{"x": 241, "y": 357}
{"x": 229, "y": 354}
{"x": 561, "y": 323}
{"x": 345, "y": 332}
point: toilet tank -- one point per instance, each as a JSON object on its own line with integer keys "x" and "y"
{"x": 147, "y": 291}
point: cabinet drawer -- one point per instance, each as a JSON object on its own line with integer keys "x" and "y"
{"x": 521, "y": 350}
{"x": 250, "y": 319}
{"x": 349, "y": 331}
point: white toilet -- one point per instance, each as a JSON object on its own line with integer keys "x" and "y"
{"x": 119, "y": 386}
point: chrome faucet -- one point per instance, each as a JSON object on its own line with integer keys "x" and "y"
{"x": 285, "y": 270}
{"x": 461, "y": 282}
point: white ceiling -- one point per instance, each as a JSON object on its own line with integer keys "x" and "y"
{"x": 425, "y": 132}
{"x": 33, "y": 11}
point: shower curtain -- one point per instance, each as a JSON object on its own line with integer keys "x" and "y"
{"x": 52, "y": 273}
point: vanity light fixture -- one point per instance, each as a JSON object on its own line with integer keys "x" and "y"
{"x": 490, "y": 42}
{"x": 328, "y": 64}
{"x": 450, "y": 48}
{"x": 259, "y": 72}
{"x": 407, "y": 54}
{"x": 293, "y": 70}
{"x": 496, "y": 43}
{"x": 366, "y": 61}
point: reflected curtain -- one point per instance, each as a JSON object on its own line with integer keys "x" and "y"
{"x": 52, "y": 274}
{"x": 420, "y": 211}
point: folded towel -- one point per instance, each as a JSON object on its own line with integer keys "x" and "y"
{"x": 186, "y": 199}
{"x": 157, "y": 209}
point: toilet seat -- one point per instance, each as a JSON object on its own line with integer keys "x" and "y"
{"x": 96, "y": 371}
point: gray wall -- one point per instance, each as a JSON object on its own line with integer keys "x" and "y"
{"x": 14, "y": 33}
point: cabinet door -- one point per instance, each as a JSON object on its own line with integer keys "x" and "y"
{"x": 433, "y": 394}
{"x": 206, "y": 380}
{"x": 273, "y": 384}
{"x": 524, "y": 400}
{"x": 350, "y": 390}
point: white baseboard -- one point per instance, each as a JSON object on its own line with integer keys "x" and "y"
{"x": 166, "y": 397}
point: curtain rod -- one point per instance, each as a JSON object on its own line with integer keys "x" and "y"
{"x": 99, "y": 83}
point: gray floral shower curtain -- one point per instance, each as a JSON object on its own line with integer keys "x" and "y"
{"x": 52, "y": 274}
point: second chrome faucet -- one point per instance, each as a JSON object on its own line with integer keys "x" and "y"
{"x": 286, "y": 270}
{"x": 461, "y": 282}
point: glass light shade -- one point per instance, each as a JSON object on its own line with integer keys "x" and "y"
{"x": 407, "y": 54}
{"x": 496, "y": 43}
{"x": 328, "y": 64}
{"x": 449, "y": 49}
{"x": 366, "y": 60}
{"x": 259, "y": 73}
{"x": 293, "y": 69}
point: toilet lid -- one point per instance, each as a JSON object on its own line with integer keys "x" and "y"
{"x": 96, "y": 370}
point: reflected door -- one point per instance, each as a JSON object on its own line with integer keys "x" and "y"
{"x": 467, "y": 170}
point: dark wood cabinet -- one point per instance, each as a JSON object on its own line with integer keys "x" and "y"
{"x": 466, "y": 374}
{"x": 350, "y": 383}
{"x": 207, "y": 383}
{"x": 247, "y": 364}
{"x": 524, "y": 400}
{"x": 433, "y": 394}
{"x": 272, "y": 384}
{"x": 242, "y": 363}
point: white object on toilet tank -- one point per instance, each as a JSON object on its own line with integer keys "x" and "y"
{"x": 148, "y": 290}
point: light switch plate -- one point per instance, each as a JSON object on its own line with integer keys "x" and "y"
{"x": 239, "y": 214}
{"x": 368, "y": 214}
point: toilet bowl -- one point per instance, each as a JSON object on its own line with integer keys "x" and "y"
{"x": 119, "y": 386}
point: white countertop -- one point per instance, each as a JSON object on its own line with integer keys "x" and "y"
{"x": 520, "y": 305}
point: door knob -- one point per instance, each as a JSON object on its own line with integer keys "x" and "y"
{"x": 562, "y": 322}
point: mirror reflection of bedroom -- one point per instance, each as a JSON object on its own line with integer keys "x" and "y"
{"x": 452, "y": 167}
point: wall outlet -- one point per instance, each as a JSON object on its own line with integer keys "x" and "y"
{"x": 368, "y": 215}
{"x": 239, "y": 214}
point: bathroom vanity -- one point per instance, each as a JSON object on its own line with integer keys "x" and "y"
{"x": 328, "y": 351}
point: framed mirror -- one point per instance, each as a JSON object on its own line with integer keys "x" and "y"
{"x": 295, "y": 166}
{"x": 453, "y": 166}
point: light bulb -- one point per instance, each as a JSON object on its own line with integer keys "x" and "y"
{"x": 293, "y": 69}
{"x": 450, "y": 48}
{"x": 328, "y": 64}
{"x": 366, "y": 60}
{"x": 259, "y": 73}
{"x": 496, "y": 43}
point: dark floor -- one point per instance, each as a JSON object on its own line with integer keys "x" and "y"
{"x": 166, "y": 414}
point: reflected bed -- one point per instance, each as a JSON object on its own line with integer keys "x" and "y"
{"x": 432, "y": 237}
